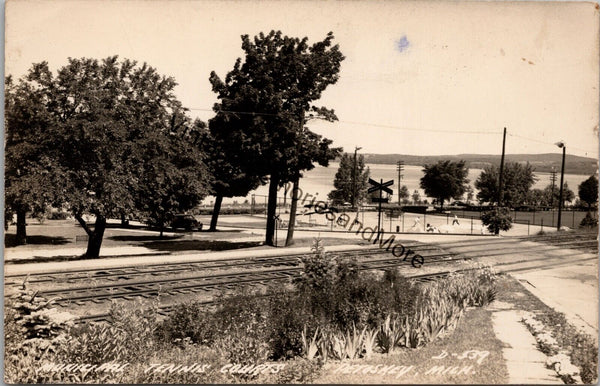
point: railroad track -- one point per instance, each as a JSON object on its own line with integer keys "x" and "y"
{"x": 204, "y": 283}
{"x": 577, "y": 241}
{"x": 285, "y": 268}
{"x": 129, "y": 272}
{"x": 423, "y": 278}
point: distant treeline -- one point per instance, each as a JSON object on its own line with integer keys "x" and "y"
{"x": 540, "y": 162}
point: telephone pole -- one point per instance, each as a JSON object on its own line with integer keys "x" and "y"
{"x": 400, "y": 168}
{"x": 553, "y": 181}
{"x": 354, "y": 193}
{"x": 501, "y": 169}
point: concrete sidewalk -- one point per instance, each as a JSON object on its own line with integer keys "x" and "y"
{"x": 572, "y": 290}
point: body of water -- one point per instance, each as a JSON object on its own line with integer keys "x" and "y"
{"x": 319, "y": 182}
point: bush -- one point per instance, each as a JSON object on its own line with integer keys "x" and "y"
{"x": 589, "y": 221}
{"x": 129, "y": 336}
{"x": 188, "y": 321}
{"x": 497, "y": 220}
{"x": 237, "y": 327}
{"x": 33, "y": 331}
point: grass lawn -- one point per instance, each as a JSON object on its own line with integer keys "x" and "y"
{"x": 63, "y": 235}
{"x": 428, "y": 364}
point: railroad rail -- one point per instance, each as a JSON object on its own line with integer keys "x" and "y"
{"x": 281, "y": 268}
{"x": 128, "y": 272}
{"x": 423, "y": 278}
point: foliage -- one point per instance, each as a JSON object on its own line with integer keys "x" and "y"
{"x": 416, "y": 197}
{"x": 117, "y": 141}
{"x": 128, "y": 336}
{"x": 589, "y": 221}
{"x": 352, "y": 318}
{"x": 538, "y": 198}
{"x": 298, "y": 370}
{"x": 517, "y": 179}
{"x": 171, "y": 176}
{"x": 498, "y": 219}
{"x": 345, "y": 179}
{"x": 264, "y": 103}
{"x": 568, "y": 194}
{"x": 403, "y": 193}
{"x": 444, "y": 180}
{"x": 30, "y": 174}
{"x": 588, "y": 191}
{"x": 33, "y": 332}
{"x": 188, "y": 320}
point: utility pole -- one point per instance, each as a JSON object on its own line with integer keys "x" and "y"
{"x": 562, "y": 177}
{"x": 356, "y": 149}
{"x": 553, "y": 180}
{"x": 501, "y": 169}
{"x": 400, "y": 168}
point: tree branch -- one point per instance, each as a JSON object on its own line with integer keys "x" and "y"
{"x": 83, "y": 224}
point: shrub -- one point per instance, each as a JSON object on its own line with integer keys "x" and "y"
{"x": 189, "y": 320}
{"x": 127, "y": 337}
{"x": 589, "y": 221}
{"x": 498, "y": 219}
{"x": 33, "y": 331}
{"x": 289, "y": 316}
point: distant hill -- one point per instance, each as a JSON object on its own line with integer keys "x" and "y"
{"x": 540, "y": 162}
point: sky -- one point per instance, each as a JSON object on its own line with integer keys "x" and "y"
{"x": 428, "y": 78}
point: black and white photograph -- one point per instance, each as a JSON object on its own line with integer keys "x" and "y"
{"x": 301, "y": 191}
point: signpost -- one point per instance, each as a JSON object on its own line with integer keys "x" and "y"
{"x": 381, "y": 187}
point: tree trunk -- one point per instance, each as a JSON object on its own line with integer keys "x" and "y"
{"x": 161, "y": 226}
{"x": 124, "y": 221}
{"x": 21, "y": 227}
{"x": 271, "y": 210}
{"x": 292, "y": 223}
{"x": 215, "y": 214}
{"x": 95, "y": 238}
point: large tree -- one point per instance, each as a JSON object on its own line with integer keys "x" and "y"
{"x": 348, "y": 178}
{"x": 516, "y": 182}
{"x": 537, "y": 198}
{"x": 588, "y": 191}
{"x": 231, "y": 175}
{"x": 29, "y": 173}
{"x": 310, "y": 148}
{"x": 112, "y": 123}
{"x": 403, "y": 194}
{"x": 267, "y": 98}
{"x": 445, "y": 180}
{"x": 172, "y": 177}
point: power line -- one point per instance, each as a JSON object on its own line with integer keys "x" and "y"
{"x": 362, "y": 123}
{"x": 549, "y": 143}
{"x": 416, "y": 129}
{"x": 404, "y": 128}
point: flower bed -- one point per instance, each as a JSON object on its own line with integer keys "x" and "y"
{"x": 332, "y": 311}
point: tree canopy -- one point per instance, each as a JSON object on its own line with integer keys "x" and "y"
{"x": 30, "y": 174}
{"x": 445, "y": 180}
{"x": 516, "y": 183}
{"x": 588, "y": 191}
{"x": 118, "y": 139}
{"x": 265, "y": 101}
{"x": 344, "y": 181}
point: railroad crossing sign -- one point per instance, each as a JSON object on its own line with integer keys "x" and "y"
{"x": 380, "y": 186}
